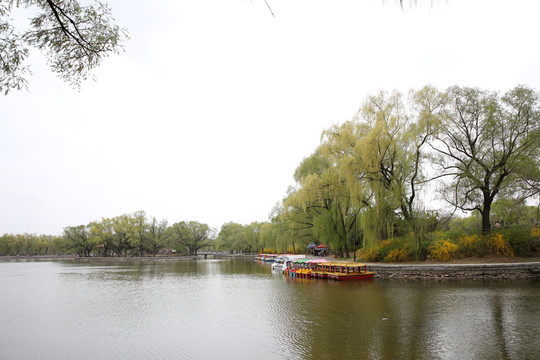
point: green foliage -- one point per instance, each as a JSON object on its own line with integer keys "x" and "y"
{"x": 80, "y": 238}
{"x": 157, "y": 236}
{"x": 240, "y": 238}
{"x": 520, "y": 239}
{"x": 452, "y": 245}
{"x": 367, "y": 173}
{"x": 506, "y": 242}
{"x": 391, "y": 250}
{"x": 321, "y": 208}
{"x": 510, "y": 211}
{"x": 488, "y": 144}
{"x": 471, "y": 224}
{"x": 74, "y": 38}
{"x": 32, "y": 244}
{"x": 191, "y": 236}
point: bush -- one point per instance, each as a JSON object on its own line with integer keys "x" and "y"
{"x": 444, "y": 250}
{"x": 520, "y": 238}
{"x": 387, "y": 246}
{"x": 389, "y": 250}
{"x": 472, "y": 245}
{"x": 397, "y": 255}
{"x": 370, "y": 255}
{"x": 497, "y": 244}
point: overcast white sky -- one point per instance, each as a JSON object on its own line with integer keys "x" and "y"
{"x": 214, "y": 103}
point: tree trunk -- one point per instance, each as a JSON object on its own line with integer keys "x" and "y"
{"x": 422, "y": 256}
{"x": 486, "y": 210}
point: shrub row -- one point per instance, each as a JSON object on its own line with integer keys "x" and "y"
{"x": 445, "y": 246}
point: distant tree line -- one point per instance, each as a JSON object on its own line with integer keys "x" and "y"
{"x": 134, "y": 234}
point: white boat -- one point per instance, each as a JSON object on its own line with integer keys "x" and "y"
{"x": 280, "y": 262}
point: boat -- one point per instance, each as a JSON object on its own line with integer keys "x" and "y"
{"x": 324, "y": 269}
{"x": 281, "y": 261}
{"x": 320, "y": 268}
{"x": 266, "y": 257}
{"x": 270, "y": 258}
{"x": 295, "y": 267}
{"x": 347, "y": 271}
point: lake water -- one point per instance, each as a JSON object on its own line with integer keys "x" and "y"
{"x": 239, "y": 309}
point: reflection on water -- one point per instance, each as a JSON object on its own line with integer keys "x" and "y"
{"x": 241, "y": 310}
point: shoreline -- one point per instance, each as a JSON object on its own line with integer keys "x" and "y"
{"x": 485, "y": 271}
{"x": 128, "y": 258}
{"x": 439, "y": 271}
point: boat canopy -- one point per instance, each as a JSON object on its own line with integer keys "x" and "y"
{"x": 311, "y": 246}
{"x": 347, "y": 264}
{"x": 317, "y": 261}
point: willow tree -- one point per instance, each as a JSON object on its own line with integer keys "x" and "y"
{"x": 486, "y": 144}
{"x": 232, "y": 237}
{"x": 238, "y": 237}
{"x": 139, "y": 221}
{"x": 276, "y": 234}
{"x": 80, "y": 239}
{"x": 298, "y": 216}
{"x": 124, "y": 239}
{"x": 103, "y": 231}
{"x": 267, "y": 237}
{"x": 380, "y": 154}
{"x": 252, "y": 235}
{"x": 297, "y": 226}
{"x": 325, "y": 201}
{"x": 368, "y": 153}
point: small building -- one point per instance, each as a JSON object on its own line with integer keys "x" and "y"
{"x": 321, "y": 250}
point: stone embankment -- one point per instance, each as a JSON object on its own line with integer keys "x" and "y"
{"x": 528, "y": 270}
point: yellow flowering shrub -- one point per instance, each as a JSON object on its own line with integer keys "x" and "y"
{"x": 370, "y": 254}
{"x": 471, "y": 245}
{"x": 444, "y": 250}
{"x": 469, "y": 241}
{"x": 397, "y": 255}
{"x": 535, "y": 233}
{"x": 498, "y": 244}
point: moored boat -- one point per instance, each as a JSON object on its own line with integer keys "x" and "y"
{"x": 270, "y": 258}
{"x": 348, "y": 271}
{"x": 266, "y": 257}
{"x": 324, "y": 269}
{"x": 321, "y": 270}
{"x": 282, "y": 261}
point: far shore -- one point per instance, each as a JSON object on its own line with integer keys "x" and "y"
{"x": 494, "y": 268}
{"x": 127, "y": 258}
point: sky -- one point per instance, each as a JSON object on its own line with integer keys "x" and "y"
{"x": 214, "y": 103}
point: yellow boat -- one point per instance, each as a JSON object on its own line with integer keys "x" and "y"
{"x": 347, "y": 271}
